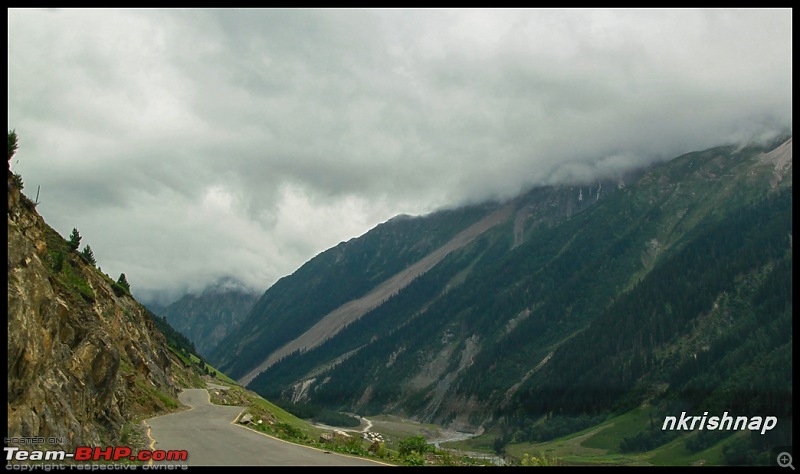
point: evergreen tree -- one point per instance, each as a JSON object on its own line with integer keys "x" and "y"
{"x": 12, "y": 148}
{"x": 123, "y": 282}
{"x": 74, "y": 239}
{"x": 88, "y": 255}
{"x": 13, "y": 144}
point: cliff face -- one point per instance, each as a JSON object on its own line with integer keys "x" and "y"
{"x": 82, "y": 360}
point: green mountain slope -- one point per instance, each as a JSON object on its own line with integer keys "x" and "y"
{"x": 341, "y": 274}
{"x": 581, "y": 301}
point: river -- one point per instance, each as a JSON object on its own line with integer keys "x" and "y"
{"x": 449, "y": 435}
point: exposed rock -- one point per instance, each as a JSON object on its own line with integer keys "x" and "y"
{"x": 374, "y": 447}
{"x": 338, "y": 436}
{"x": 341, "y": 434}
{"x": 247, "y": 418}
{"x": 81, "y": 361}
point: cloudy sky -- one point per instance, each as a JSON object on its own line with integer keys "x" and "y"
{"x": 191, "y": 145}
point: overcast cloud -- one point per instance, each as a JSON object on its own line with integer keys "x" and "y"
{"x": 191, "y": 145}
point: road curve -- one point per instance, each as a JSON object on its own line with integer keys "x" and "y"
{"x": 211, "y": 438}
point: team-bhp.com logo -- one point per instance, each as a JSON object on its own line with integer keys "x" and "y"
{"x": 86, "y": 453}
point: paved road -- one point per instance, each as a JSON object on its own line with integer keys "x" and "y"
{"x": 207, "y": 432}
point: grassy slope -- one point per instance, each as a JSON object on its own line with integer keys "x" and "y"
{"x": 599, "y": 445}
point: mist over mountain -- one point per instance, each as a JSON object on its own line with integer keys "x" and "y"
{"x": 209, "y": 316}
{"x": 606, "y": 306}
{"x": 566, "y": 305}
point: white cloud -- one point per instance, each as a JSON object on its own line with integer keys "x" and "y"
{"x": 188, "y": 145}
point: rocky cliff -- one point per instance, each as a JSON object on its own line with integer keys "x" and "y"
{"x": 82, "y": 358}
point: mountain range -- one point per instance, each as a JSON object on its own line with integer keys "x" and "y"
{"x": 207, "y": 317}
{"x": 668, "y": 286}
{"x": 663, "y": 291}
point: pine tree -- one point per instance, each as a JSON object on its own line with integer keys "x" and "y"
{"x": 88, "y": 255}
{"x": 123, "y": 282}
{"x": 13, "y": 144}
{"x": 74, "y": 240}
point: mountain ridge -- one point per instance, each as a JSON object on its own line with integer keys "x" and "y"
{"x": 333, "y": 322}
{"x": 207, "y": 317}
{"x": 535, "y": 281}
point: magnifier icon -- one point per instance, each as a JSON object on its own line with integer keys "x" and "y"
{"x": 785, "y": 460}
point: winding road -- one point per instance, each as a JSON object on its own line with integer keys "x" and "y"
{"x": 210, "y": 436}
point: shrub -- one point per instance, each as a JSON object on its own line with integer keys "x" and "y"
{"x": 118, "y": 290}
{"x": 541, "y": 460}
{"x": 416, "y": 444}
